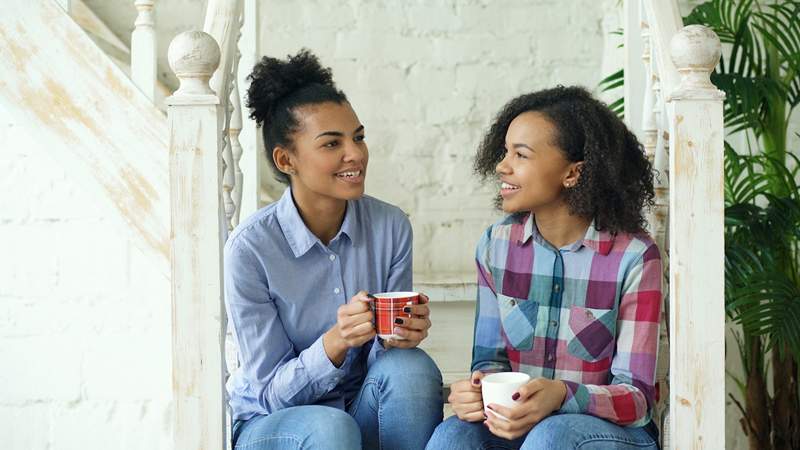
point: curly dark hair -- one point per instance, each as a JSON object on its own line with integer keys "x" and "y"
{"x": 278, "y": 87}
{"x": 616, "y": 181}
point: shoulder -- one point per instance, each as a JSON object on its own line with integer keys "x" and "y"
{"x": 260, "y": 226}
{"x": 507, "y": 228}
{"x": 377, "y": 212}
{"x": 636, "y": 246}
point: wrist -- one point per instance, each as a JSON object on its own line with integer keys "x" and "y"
{"x": 563, "y": 389}
{"x": 335, "y": 347}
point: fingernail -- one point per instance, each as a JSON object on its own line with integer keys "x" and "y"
{"x": 398, "y": 321}
{"x": 476, "y": 382}
{"x": 515, "y": 396}
{"x": 407, "y": 310}
{"x": 490, "y": 407}
{"x": 370, "y": 296}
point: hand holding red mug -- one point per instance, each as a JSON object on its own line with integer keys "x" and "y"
{"x": 354, "y": 327}
{"x": 411, "y": 326}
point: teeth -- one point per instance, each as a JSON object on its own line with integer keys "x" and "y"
{"x": 349, "y": 174}
{"x": 505, "y": 185}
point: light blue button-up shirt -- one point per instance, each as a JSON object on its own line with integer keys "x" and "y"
{"x": 282, "y": 289}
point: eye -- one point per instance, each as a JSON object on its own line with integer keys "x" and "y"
{"x": 520, "y": 155}
{"x": 359, "y": 138}
{"x": 331, "y": 144}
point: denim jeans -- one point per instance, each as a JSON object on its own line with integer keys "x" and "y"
{"x": 398, "y": 407}
{"x": 557, "y": 432}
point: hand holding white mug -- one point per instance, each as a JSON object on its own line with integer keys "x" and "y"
{"x": 466, "y": 399}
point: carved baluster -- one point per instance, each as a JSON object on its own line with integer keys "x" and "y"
{"x": 233, "y": 133}
{"x": 143, "y": 49}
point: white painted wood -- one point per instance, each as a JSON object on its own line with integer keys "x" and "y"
{"x": 91, "y": 117}
{"x": 195, "y": 118}
{"x": 697, "y": 313}
{"x": 143, "y": 49}
{"x": 223, "y": 22}
{"x": 253, "y": 156}
{"x": 234, "y": 128}
{"x": 635, "y": 77}
{"x": 89, "y": 21}
{"x": 66, "y": 5}
{"x": 664, "y": 20}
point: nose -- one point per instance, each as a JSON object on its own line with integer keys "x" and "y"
{"x": 354, "y": 152}
{"x": 502, "y": 167}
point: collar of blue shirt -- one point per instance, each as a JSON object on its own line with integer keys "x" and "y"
{"x": 299, "y": 237}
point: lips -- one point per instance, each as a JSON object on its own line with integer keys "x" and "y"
{"x": 507, "y": 189}
{"x": 351, "y": 176}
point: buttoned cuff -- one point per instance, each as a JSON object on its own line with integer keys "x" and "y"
{"x": 323, "y": 373}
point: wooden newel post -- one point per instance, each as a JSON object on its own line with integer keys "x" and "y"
{"x": 195, "y": 171}
{"x": 697, "y": 312}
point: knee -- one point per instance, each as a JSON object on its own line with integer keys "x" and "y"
{"x": 455, "y": 433}
{"x": 324, "y": 422}
{"x": 552, "y": 433}
{"x": 413, "y": 361}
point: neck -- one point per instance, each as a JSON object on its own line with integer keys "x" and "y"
{"x": 323, "y": 216}
{"x": 558, "y": 227}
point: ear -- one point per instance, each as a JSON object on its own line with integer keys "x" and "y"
{"x": 573, "y": 175}
{"x": 283, "y": 160}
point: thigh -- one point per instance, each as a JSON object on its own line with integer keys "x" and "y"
{"x": 402, "y": 387}
{"x": 299, "y": 427}
{"x": 456, "y": 433}
{"x": 585, "y": 432}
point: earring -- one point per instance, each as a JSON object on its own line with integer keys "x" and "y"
{"x": 292, "y": 172}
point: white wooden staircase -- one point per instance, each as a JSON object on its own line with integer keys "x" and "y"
{"x": 174, "y": 180}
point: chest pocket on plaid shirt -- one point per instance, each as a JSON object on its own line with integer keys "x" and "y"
{"x": 594, "y": 331}
{"x": 519, "y": 320}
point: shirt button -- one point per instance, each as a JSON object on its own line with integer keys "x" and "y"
{"x": 589, "y": 314}
{"x": 553, "y": 323}
{"x": 557, "y": 288}
{"x": 513, "y": 302}
{"x": 550, "y": 357}
{"x": 332, "y": 257}
{"x": 336, "y": 291}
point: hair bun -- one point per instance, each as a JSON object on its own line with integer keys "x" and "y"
{"x": 273, "y": 79}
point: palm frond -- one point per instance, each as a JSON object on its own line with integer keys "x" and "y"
{"x": 770, "y": 306}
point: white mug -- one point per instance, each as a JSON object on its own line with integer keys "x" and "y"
{"x": 498, "y": 388}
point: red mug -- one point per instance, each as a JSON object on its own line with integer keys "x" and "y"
{"x": 387, "y": 307}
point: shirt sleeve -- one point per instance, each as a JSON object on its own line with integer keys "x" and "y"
{"x": 488, "y": 350}
{"x": 400, "y": 273}
{"x": 277, "y": 375}
{"x": 629, "y": 397}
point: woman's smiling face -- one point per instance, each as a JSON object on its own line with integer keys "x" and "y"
{"x": 534, "y": 171}
{"x": 329, "y": 155}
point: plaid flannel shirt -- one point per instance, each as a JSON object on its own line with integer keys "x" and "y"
{"x": 586, "y": 314}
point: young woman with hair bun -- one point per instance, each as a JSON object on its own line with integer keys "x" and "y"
{"x": 298, "y": 274}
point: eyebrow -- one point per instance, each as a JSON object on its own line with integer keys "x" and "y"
{"x": 518, "y": 145}
{"x": 338, "y": 133}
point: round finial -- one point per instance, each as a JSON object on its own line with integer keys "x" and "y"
{"x": 695, "y": 50}
{"x": 193, "y": 56}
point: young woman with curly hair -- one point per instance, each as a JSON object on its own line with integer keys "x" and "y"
{"x": 297, "y": 276}
{"x": 569, "y": 283}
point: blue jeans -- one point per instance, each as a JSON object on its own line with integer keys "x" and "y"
{"x": 557, "y": 432}
{"x": 398, "y": 407}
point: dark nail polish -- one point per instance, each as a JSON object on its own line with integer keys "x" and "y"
{"x": 476, "y": 382}
{"x": 515, "y": 396}
{"x": 407, "y": 310}
{"x": 490, "y": 407}
{"x": 398, "y": 321}
{"x": 370, "y": 296}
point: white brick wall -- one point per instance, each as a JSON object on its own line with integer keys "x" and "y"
{"x": 84, "y": 321}
{"x": 426, "y": 78}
